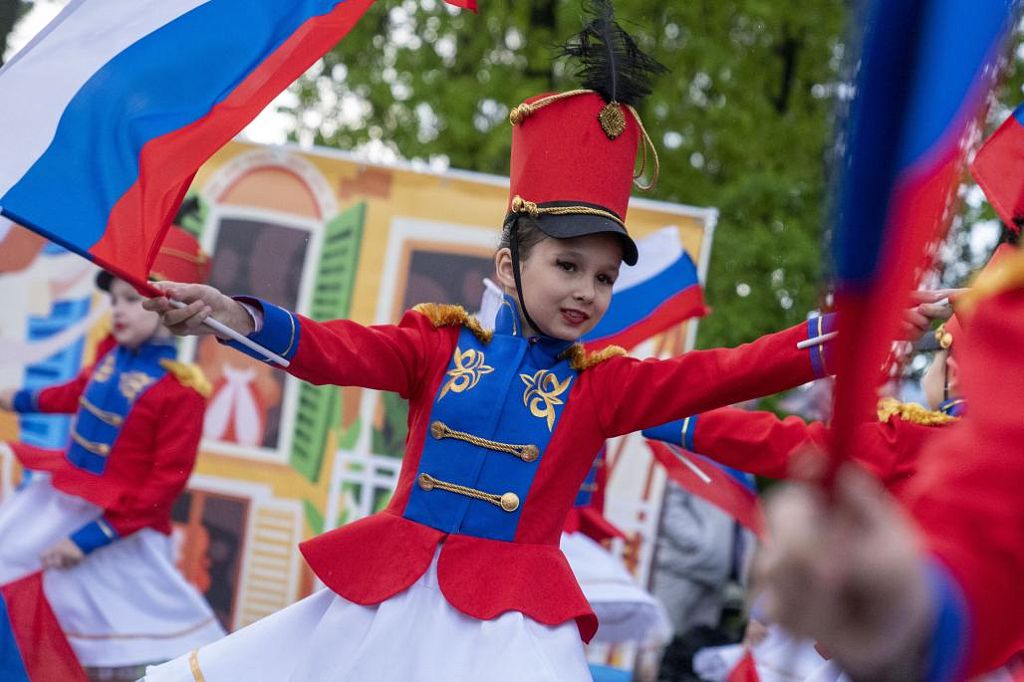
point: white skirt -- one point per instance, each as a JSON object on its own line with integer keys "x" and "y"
{"x": 125, "y": 604}
{"x": 625, "y": 611}
{"x": 34, "y": 519}
{"x": 414, "y": 636}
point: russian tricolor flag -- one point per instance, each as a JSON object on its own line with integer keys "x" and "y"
{"x": 925, "y": 72}
{"x": 33, "y": 648}
{"x": 729, "y": 489}
{"x": 110, "y": 111}
{"x": 660, "y": 291}
{"x": 999, "y": 169}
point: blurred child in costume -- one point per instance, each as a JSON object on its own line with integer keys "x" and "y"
{"x": 96, "y": 516}
{"x": 764, "y": 444}
{"x": 936, "y": 580}
{"x": 461, "y": 576}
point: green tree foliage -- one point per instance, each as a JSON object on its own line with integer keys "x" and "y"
{"x": 741, "y": 120}
{"x": 10, "y": 12}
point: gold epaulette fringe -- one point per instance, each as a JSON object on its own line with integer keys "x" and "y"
{"x": 189, "y": 375}
{"x": 581, "y": 359}
{"x": 446, "y": 315}
{"x": 1003, "y": 276}
{"x": 911, "y": 412}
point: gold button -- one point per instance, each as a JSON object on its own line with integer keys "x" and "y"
{"x": 425, "y": 481}
{"x": 437, "y": 430}
{"x": 510, "y": 502}
{"x": 529, "y": 453}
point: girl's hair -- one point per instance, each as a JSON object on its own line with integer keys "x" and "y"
{"x": 529, "y": 235}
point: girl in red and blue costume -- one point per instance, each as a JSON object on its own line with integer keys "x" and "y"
{"x": 461, "y": 576}
{"x": 96, "y": 516}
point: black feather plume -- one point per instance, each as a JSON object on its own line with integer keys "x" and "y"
{"x": 610, "y": 61}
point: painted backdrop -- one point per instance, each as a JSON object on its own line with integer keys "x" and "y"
{"x": 329, "y": 236}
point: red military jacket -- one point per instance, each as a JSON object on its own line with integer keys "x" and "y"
{"x": 968, "y": 498}
{"x": 502, "y": 433}
{"x": 135, "y": 437}
{"x": 764, "y": 444}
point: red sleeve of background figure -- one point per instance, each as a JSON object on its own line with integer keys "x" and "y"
{"x": 967, "y": 497}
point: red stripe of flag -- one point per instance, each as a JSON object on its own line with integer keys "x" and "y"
{"x": 682, "y": 306}
{"x": 44, "y": 649}
{"x": 745, "y": 670}
{"x": 168, "y": 163}
{"x": 722, "y": 490}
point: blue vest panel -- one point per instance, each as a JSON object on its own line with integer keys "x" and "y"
{"x": 116, "y": 383}
{"x": 504, "y": 395}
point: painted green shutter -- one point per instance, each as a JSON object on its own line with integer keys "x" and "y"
{"x": 319, "y": 406}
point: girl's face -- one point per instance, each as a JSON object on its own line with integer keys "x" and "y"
{"x": 567, "y": 283}
{"x": 132, "y": 325}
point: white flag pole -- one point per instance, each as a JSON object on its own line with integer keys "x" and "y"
{"x": 225, "y": 330}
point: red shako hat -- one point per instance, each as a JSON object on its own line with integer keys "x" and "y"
{"x": 180, "y": 259}
{"x": 574, "y": 153}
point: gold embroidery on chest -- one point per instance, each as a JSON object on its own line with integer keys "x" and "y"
{"x": 134, "y": 383}
{"x": 542, "y": 394}
{"x": 103, "y": 372}
{"x": 469, "y": 367}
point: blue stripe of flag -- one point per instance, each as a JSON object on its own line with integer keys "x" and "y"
{"x": 956, "y": 39}
{"x": 920, "y": 61}
{"x": 630, "y": 306}
{"x": 12, "y": 666}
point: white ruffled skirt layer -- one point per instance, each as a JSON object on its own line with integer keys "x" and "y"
{"x": 125, "y": 604}
{"x": 32, "y": 520}
{"x": 414, "y": 636}
{"x": 779, "y": 657}
{"x": 625, "y": 611}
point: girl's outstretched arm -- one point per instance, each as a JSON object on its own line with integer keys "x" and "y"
{"x": 638, "y": 394}
{"x": 340, "y": 352}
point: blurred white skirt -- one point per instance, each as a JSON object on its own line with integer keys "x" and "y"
{"x": 625, "y": 611}
{"x": 124, "y": 604}
{"x": 415, "y": 635}
{"x": 779, "y": 657}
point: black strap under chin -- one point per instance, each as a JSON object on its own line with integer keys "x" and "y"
{"x": 514, "y": 247}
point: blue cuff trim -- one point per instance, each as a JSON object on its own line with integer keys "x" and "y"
{"x": 689, "y": 428}
{"x": 820, "y": 353}
{"x": 279, "y": 332}
{"x": 947, "y": 653}
{"x": 669, "y": 432}
{"x": 94, "y": 535}
{"x": 26, "y": 401}
{"x": 954, "y": 407}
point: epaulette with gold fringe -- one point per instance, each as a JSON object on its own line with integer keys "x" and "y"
{"x": 447, "y": 315}
{"x": 912, "y": 412}
{"x": 189, "y": 376}
{"x": 581, "y": 359}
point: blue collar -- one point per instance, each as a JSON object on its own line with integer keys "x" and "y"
{"x": 507, "y": 323}
{"x": 155, "y": 347}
